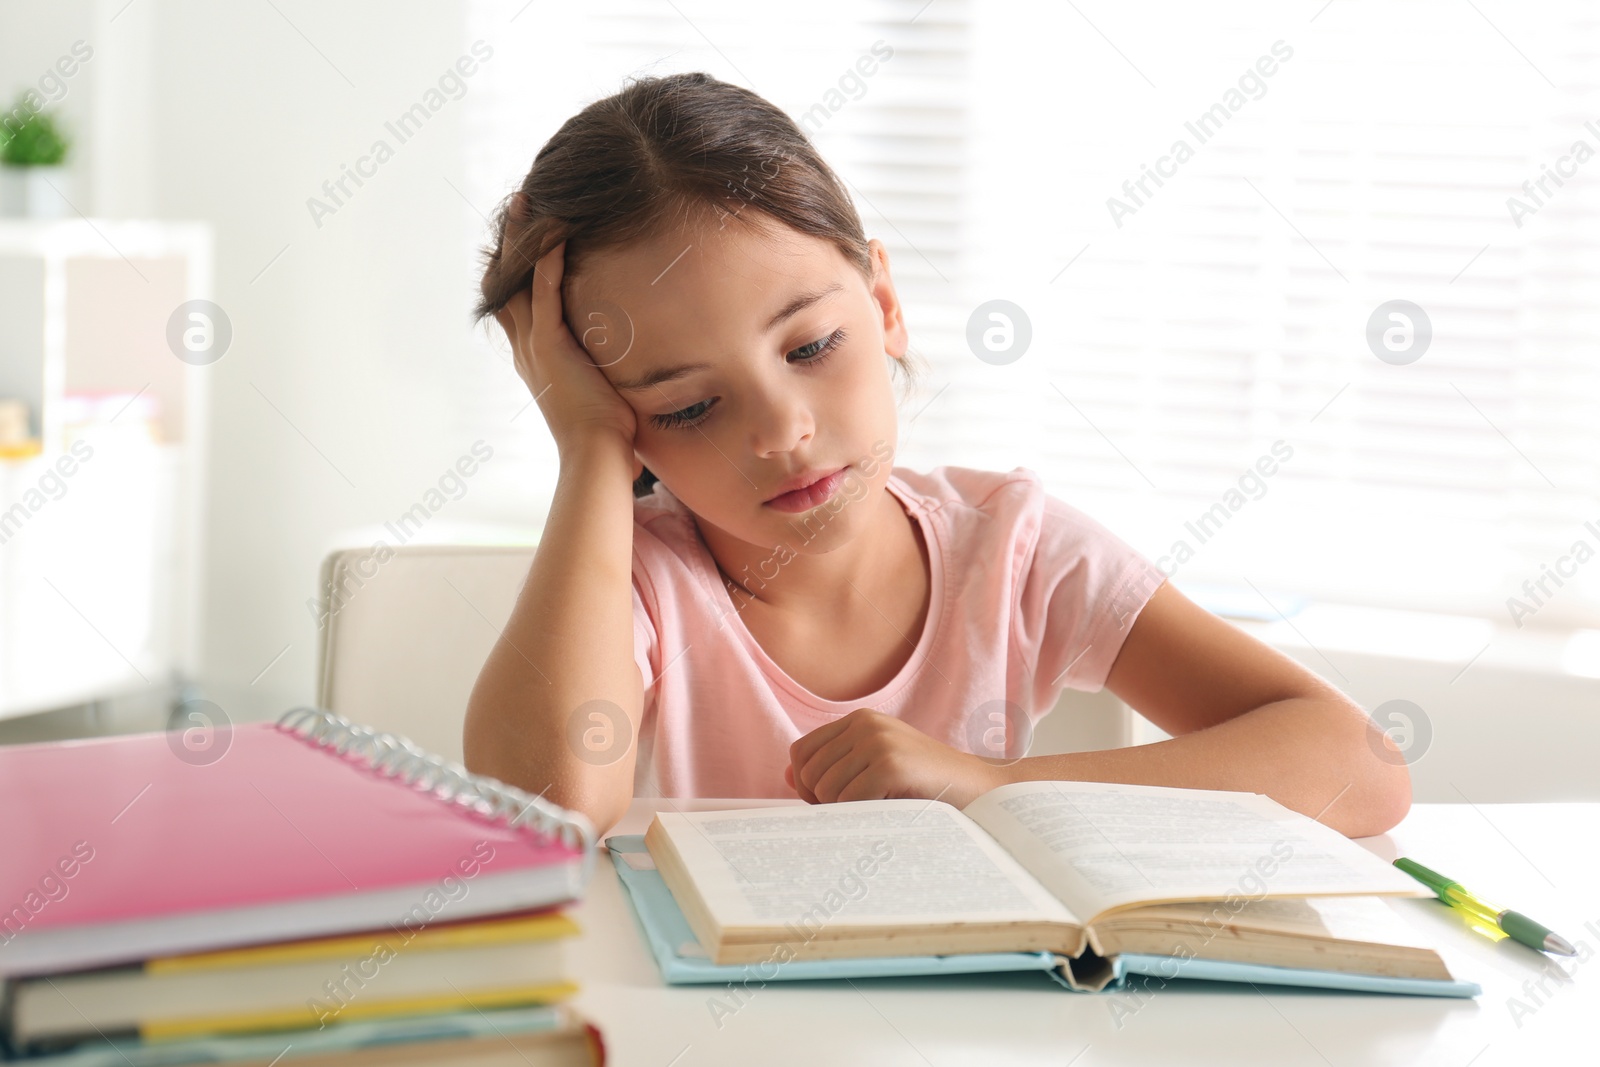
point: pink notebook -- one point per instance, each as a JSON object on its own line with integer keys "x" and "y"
{"x": 122, "y": 848}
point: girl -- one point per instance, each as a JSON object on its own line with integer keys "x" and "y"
{"x": 737, "y": 594}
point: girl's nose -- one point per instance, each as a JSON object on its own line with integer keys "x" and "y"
{"x": 781, "y": 422}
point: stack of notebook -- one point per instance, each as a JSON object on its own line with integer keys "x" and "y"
{"x": 320, "y": 894}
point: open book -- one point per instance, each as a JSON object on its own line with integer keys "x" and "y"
{"x": 1080, "y": 869}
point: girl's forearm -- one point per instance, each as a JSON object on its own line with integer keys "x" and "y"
{"x": 1318, "y": 755}
{"x": 569, "y": 641}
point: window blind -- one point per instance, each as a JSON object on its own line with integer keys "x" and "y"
{"x": 1177, "y": 339}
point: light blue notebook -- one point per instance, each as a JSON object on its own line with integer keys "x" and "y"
{"x": 340, "y": 1037}
{"x": 683, "y": 962}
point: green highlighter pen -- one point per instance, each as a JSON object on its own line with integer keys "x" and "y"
{"x": 1516, "y": 925}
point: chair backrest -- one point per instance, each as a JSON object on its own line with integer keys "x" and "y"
{"x": 403, "y": 639}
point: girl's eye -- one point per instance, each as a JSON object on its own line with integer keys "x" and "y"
{"x": 817, "y": 351}
{"x": 810, "y": 355}
{"x": 686, "y": 417}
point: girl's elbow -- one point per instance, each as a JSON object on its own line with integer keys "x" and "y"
{"x": 1388, "y": 802}
{"x": 1370, "y": 788}
{"x": 1385, "y": 795}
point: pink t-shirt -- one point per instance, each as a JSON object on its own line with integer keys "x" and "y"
{"x": 1028, "y": 596}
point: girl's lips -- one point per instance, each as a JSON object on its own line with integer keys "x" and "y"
{"x": 818, "y": 492}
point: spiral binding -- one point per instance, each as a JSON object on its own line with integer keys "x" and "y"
{"x": 398, "y": 757}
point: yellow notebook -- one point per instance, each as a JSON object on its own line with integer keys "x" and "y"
{"x": 543, "y": 927}
{"x": 304, "y": 984}
{"x": 295, "y": 1018}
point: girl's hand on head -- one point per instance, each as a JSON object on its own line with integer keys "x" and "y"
{"x": 867, "y": 755}
{"x": 577, "y": 400}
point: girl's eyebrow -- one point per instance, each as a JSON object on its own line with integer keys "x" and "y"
{"x": 668, "y": 374}
{"x": 659, "y": 375}
{"x": 799, "y": 304}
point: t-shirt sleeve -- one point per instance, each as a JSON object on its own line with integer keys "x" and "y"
{"x": 646, "y": 647}
{"x": 1080, "y": 592}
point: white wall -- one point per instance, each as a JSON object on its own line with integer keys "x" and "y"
{"x": 335, "y": 407}
{"x": 351, "y": 350}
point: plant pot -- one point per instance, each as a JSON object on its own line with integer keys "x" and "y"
{"x": 35, "y": 192}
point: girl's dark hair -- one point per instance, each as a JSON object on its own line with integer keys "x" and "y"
{"x": 625, "y": 167}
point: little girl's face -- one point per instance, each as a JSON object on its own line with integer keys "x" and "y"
{"x": 751, "y": 355}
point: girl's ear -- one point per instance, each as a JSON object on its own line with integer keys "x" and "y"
{"x": 895, "y": 338}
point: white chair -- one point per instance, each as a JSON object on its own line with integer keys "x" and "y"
{"x": 403, "y": 641}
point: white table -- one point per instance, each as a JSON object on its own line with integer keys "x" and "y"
{"x": 1537, "y": 858}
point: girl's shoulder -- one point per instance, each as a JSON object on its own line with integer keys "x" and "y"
{"x": 664, "y": 518}
{"x": 969, "y": 488}
{"x": 988, "y": 507}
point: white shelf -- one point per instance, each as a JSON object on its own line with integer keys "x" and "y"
{"x": 99, "y": 584}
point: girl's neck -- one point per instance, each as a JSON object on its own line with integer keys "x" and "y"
{"x": 792, "y": 581}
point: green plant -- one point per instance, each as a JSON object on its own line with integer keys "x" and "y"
{"x": 37, "y": 142}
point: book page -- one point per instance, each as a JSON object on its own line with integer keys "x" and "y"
{"x": 858, "y": 863}
{"x": 1100, "y": 846}
{"x": 1365, "y": 920}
